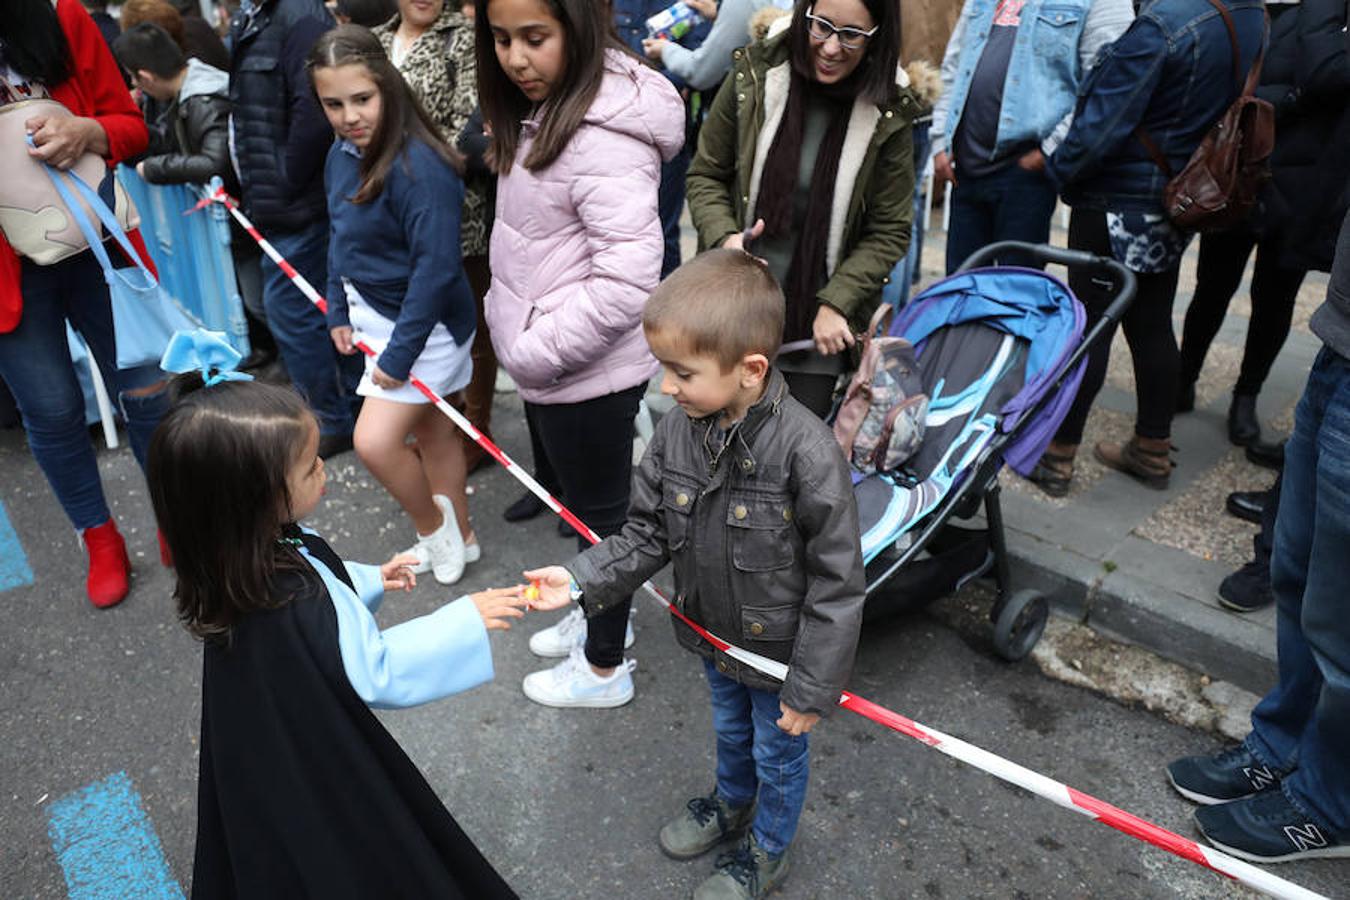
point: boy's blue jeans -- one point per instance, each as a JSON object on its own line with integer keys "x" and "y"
{"x": 1305, "y": 719}
{"x": 757, "y": 759}
{"x": 35, "y": 363}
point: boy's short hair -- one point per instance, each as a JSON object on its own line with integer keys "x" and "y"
{"x": 722, "y": 303}
{"x": 150, "y": 48}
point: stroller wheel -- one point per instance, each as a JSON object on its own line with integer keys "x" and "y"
{"x": 1020, "y": 624}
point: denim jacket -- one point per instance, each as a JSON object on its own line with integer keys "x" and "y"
{"x": 1170, "y": 73}
{"x": 1055, "y": 46}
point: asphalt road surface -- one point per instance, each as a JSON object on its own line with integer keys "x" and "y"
{"x": 565, "y": 803}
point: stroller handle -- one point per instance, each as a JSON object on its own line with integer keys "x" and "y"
{"x": 1122, "y": 280}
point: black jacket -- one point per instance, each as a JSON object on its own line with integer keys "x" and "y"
{"x": 765, "y": 542}
{"x": 1307, "y": 79}
{"x": 281, "y": 136}
{"x": 198, "y": 139}
{"x": 302, "y": 793}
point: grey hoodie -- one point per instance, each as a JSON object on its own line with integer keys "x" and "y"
{"x": 198, "y": 131}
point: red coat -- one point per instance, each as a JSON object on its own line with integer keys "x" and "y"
{"x": 96, "y": 89}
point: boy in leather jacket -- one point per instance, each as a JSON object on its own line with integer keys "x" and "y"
{"x": 197, "y": 107}
{"x": 749, "y": 496}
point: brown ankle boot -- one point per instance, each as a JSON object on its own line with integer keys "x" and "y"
{"x": 1054, "y": 471}
{"x": 1143, "y": 459}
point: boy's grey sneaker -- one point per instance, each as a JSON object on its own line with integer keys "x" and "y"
{"x": 746, "y": 873}
{"x": 1268, "y": 828}
{"x": 1231, "y": 775}
{"x": 705, "y": 823}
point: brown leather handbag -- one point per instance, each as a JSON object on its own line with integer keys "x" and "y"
{"x": 1224, "y": 176}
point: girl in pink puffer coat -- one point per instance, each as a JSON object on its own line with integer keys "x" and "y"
{"x": 579, "y": 130}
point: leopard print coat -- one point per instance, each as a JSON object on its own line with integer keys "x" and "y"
{"x": 441, "y": 70}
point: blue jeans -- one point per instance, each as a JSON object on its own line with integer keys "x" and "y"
{"x": 1011, "y": 204}
{"x": 756, "y": 758}
{"x": 325, "y": 378}
{"x": 35, "y": 363}
{"x": 896, "y": 290}
{"x": 1305, "y": 719}
{"x": 670, "y": 205}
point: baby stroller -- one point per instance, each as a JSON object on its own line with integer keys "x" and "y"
{"x": 1001, "y": 352}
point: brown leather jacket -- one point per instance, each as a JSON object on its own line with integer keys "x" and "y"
{"x": 763, "y": 535}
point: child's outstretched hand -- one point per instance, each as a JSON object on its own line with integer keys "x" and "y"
{"x": 551, "y": 585}
{"x": 795, "y": 723}
{"x": 497, "y": 605}
{"x": 398, "y": 574}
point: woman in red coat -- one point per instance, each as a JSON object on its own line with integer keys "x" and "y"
{"x": 57, "y": 51}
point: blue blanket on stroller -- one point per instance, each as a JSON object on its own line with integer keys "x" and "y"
{"x": 1028, "y": 304}
{"x": 990, "y": 344}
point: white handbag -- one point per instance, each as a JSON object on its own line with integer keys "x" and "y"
{"x": 33, "y": 217}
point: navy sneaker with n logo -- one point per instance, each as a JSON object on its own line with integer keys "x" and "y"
{"x": 1231, "y": 775}
{"x": 1268, "y": 828}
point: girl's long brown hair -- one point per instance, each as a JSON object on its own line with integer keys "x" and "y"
{"x": 587, "y": 34}
{"x": 401, "y": 115}
{"x": 217, "y": 469}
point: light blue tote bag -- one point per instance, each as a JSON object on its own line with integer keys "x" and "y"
{"x": 144, "y": 315}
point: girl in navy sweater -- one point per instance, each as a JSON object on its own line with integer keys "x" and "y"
{"x": 395, "y": 281}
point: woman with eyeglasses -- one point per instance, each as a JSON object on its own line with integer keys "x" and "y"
{"x": 805, "y": 161}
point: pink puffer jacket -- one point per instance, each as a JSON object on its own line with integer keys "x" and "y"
{"x": 577, "y": 246}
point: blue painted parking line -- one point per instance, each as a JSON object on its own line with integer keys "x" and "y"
{"x": 14, "y": 571}
{"x": 106, "y": 845}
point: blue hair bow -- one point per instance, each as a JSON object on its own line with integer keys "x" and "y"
{"x": 205, "y": 351}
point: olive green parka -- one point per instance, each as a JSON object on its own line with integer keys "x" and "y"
{"x": 873, "y": 201}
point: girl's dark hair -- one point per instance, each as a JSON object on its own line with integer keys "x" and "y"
{"x": 401, "y": 115}
{"x": 33, "y": 42}
{"x": 875, "y": 76}
{"x": 217, "y": 469}
{"x": 587, "y": 33}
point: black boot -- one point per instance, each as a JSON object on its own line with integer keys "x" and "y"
{"x": 1266, "y": 455}
{"x": 1186, "y": 397}
{"x": 527, "y": 507}
{"x": 1243, "y": 426}
{"x": 1247, "y": 505}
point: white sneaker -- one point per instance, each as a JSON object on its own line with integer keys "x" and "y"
{"x": 443, "y": 549}
{"x": 569, "y": 633}
{"x": 572, "y": 683}
{"x": 472, "y": 552}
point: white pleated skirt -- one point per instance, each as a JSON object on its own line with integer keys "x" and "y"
{"x": 443, "y": 365}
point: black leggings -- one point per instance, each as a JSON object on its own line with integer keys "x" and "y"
{"x": 588, "y": 446}
{"x": 1223, "y": 257}
{"x": 1148, "y": 330}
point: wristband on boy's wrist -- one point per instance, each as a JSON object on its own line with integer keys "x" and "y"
{"x": 573, "y": 588}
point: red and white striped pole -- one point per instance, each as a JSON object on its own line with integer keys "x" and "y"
{"x": 1054, "y": 791}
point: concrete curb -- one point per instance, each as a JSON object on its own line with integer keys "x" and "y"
{"x": 1197, "y": 634}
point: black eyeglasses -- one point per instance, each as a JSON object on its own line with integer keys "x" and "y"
{"x": 823, "y": 29}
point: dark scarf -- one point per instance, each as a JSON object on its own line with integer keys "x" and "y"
{"x": 778, "y": 185}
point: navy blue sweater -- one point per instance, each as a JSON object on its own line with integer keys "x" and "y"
{"x": 400, "y": 250}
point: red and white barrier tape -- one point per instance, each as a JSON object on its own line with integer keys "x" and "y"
{"x": 1054, "y": 791}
